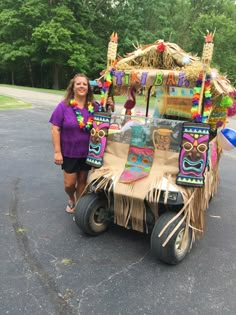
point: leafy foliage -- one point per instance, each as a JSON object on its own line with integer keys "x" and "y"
{"x": 44, "y": 43}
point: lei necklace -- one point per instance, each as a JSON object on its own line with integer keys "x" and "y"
{"x": 207, "y": 106}
{"x": 80, "y": 117}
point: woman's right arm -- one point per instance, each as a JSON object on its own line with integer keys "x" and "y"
{"x": 56, "y": 141}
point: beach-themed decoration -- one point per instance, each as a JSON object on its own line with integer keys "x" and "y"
{"x": 107, "y": 81}
{"x": 138, "y": 165}
{"x": 112, "y": 50}
{"x": 98, "y": 139}
{"x": 213, "y": 153}
{"x": 226, "y": 101}
{"x": 220, "y": 112}
{"x": 140, "y": 157}
{"x": 231, "y": 111}
{"x": 85, "y": 125}
{"x": 193, "y": 154}
{"x": 207, "y": 105}
{"x": 226, "y": 138}
{"x": 161, "y": 138}
{"x": 142, "y": 169}
{"x": 130, "y": 102}
{"x": 208, "y": 47}
{"x": 218, "y": 117}
{"x": 202, "y": 105}
{"x": 186, "y": 60}
{"x": 147, "y": 66}
{"x": 166, "y": 66}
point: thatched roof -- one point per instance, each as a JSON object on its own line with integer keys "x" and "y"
{"x": 148, "y": 56}
{"x": 168, "y": 56}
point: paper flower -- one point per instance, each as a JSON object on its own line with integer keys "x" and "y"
{"x": 161, "y": 47}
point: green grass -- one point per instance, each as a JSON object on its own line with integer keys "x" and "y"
{"x": 62, "y": 92}
{"x": 140, "y": 100}
{"x": 7, "y": 102}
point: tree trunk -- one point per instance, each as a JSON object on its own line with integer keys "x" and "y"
{"x": 55, "y": 77}
{"x": 29, "y": 68}
{"x": 12, "y": 78}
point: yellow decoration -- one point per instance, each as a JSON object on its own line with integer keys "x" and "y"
{"x": 112, "y": 50}
{"x": 218, "y": 116}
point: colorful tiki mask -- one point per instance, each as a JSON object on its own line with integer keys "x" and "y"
{"x": 193, "y": 154}
{"x": 98, "y": 138}
{"x": 140, "y": 157}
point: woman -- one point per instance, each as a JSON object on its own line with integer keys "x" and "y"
{"x": 71, "y": 122}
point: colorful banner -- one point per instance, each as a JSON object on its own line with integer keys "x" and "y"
{"x": 150, "y": 78}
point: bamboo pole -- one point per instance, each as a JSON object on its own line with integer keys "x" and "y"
{"x": 206, "y": 60}
{"x": 200, "y": 104}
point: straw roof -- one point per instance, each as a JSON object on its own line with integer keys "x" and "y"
{"x": 168, "y": 56}
{"x": 148, "y": 56}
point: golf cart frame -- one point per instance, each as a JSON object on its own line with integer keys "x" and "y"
{"x": 172, "y": 212}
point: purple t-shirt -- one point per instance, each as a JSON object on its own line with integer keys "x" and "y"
{"x": 74, "y": 140}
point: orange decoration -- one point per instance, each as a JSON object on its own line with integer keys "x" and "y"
{"x": 209, "y": 38}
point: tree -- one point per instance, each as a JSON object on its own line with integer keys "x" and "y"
{"x": 224, "y": 56}
{"x": 44, "y": 43}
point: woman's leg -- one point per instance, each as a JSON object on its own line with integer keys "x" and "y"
{"x": 81, "y": 183}
{"x": 70, "y": 185}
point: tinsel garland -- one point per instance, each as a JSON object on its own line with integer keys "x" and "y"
{"x": 207, "y": 105}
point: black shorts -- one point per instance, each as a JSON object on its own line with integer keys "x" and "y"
{"x": 74, "y": 165}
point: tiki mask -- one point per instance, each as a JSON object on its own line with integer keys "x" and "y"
{"x": 98, "y": 139}
{"x": 193, "y": 154}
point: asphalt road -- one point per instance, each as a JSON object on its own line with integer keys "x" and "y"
{"x": 47, "y": 266}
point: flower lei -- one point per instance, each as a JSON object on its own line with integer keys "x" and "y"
{"x": 79, "y": 116}
{"x": 105, "y": 89}
{"x": 207, "y": 107}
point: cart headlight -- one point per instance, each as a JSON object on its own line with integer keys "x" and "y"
{"x": 171, "y": 195}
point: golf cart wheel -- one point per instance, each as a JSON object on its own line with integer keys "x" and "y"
{"x": 171, "y": 253}
{"x": 91, "y": 214}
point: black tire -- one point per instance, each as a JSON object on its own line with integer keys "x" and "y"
{"x": 171, "y": 253}
{"x": 91, "y": 214}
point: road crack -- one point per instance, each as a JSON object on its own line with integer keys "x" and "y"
{"x": 47, "y": 283}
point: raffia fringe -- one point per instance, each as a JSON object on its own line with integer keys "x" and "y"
{"x": 129, "y": 206}
{"x": 195, "y": 204}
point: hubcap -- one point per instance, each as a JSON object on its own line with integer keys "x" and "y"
{"x": 179, "y": 251}
{"x": 100, "y": 216}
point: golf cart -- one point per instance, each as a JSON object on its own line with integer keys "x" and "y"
{"x": 156, "y": 173}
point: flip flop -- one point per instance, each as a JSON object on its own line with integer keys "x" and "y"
{"x": 70, "y": 208}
